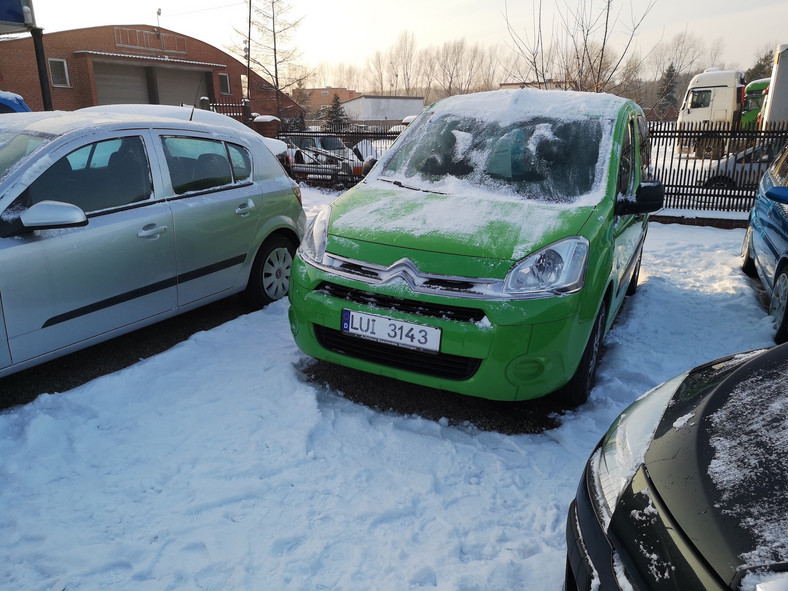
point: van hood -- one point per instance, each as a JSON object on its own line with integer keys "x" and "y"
{"x": 484, "y": 226}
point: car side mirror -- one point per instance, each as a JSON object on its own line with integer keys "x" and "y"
{"x": 649, "y": 197}
{"x": 778, "y": 194}
{"x": 48, "y": 215}
{"x": 367, "y": 166}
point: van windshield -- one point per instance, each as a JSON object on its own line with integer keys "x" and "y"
{"x": 542, "y": 158}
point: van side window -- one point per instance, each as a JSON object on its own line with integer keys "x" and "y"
{"x": 626, "y": 166}
{"x": 98, "y": 176}
{"x": 196, "y": 164}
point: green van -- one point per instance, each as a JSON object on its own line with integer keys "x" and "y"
{"x": 488, "y": 252}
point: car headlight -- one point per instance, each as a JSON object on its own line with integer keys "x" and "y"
{"x": 624, "y": 445}
{"x": 313, "y": 246}
{"x": 556, "y": 269}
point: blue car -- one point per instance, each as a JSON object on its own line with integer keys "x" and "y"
{"x": 12, "y": 103}
{"x": 765, "y": 247}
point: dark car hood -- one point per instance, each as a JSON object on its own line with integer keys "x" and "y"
{"x": 719, "y": 461}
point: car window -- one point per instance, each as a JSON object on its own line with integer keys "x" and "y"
{"x": 780, "y": 170}
{"x": 196, "y": 164}
{"x": 241, "y": 161}
{"x": 97, "y": 176}
{"x": 331, "y": 142}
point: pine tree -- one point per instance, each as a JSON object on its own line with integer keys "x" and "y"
{"x": 762, "y": 67}
{"x": 335, "y": 115}
{"x": 667, "y": 90}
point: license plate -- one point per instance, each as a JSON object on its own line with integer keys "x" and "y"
{"x": 389, "y": 330}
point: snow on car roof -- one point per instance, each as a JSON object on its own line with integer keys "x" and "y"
{"x": 61, "y": 122}
{"x": 508, "y": 106}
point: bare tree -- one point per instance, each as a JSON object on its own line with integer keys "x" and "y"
{"x": 580, "y": 50}
{"x": 270, "y": 32}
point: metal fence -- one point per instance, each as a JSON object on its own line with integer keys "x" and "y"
{"x": 703, "y": 167}
{"x": 712, "y": 167}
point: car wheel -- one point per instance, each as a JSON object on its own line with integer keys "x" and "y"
{"x": 777, "y": 307}
{"x": 269, "y": 279}
{"x": 748, "y": 266}
{"x": 579, "y": 387}
{"x": 633, "y": 282}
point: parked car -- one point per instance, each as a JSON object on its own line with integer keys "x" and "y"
{"x": 488, "y": 252}
{"x": 321, "y": 154}
{"x": 688, "y": 489}
{"x": 765, "y": 247}
{"x": 112, "y": 218}
{"x": 743, "y": 170}
{"x": 11, "y": 102}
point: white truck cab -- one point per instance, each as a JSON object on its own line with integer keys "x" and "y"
{"x": 775, "y": 107}
{"x": 714, "y": 97}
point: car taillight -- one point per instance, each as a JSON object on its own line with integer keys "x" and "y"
{"x": 297, "y": 191}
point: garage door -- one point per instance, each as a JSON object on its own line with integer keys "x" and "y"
{"x": 180, "y": 87}
{"x": 118, "y": 84}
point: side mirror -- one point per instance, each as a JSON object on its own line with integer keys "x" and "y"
{"x": 48, "y": 215}
{"x": 778, "y": 194}
{"x": 649, "y": 197}
{"x": 367, "y": 166}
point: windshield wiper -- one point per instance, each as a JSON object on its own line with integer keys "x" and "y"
{"x": 399, "y": 184}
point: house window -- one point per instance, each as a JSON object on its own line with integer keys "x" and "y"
{"x": 324, "y": 92}
{"x": 224, "y": 83}
{"x": 58, "y": 71}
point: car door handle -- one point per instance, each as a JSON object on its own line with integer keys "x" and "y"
{"x": 151, "y": 231}
{"x": 245, "y": 209}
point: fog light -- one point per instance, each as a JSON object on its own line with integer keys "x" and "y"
{"x": 524, "y": 369}
{"x": 293, "y": 321}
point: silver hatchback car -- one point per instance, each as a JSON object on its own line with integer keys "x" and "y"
{"x": 112, "y": 218}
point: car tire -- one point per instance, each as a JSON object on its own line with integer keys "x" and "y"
{"x": 579, "y": 387}
{"x": 269, "y": 279}
{"x": 748, "y": 266}
{"x": 777, "y": 307}
{"x": 632, "y": 288}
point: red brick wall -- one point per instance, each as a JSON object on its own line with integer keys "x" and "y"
{"x": 19, "y": 72}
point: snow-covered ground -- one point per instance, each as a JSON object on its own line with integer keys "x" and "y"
{"x": 216, "y": 465}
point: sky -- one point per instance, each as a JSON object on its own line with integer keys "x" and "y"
{"x": 344, "y": 31}
{"x": 217, "y": 465}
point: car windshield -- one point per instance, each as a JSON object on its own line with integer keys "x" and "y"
{"x": 543, "y": 158}
{"x": 332, "y": 142}
{"x": 15, "y": 147}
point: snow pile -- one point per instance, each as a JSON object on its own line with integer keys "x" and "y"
{"x": 215, "y": 465}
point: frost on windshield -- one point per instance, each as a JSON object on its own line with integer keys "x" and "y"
{"x": 551, "y": 159}
{"x": 750, "y": 455}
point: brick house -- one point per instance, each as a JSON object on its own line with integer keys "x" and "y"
{"x": 134, "y": 64}
{"x": 320, "y": 99}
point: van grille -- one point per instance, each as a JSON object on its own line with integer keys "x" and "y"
{"x": 439, "y": 365}
{"x": 366, "y": 298}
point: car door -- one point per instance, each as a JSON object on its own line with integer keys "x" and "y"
{"x": 62, "y": 286}
{"x": 627, "y": 229}
{"x": 216, "y": 208}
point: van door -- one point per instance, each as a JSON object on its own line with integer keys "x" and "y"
{"x": 627, "y": 229}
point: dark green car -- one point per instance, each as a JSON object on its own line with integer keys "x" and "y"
{"x": 488, "y": 252}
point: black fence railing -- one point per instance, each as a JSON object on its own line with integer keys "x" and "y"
{"x": 703, "y": 167}
{"x": 712, "y": 167}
